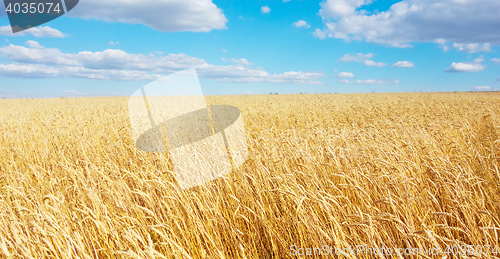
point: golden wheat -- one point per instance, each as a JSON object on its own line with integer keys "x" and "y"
{"x": 412, "y": 170}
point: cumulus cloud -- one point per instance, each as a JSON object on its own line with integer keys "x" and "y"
{"x": 403, "y": 64}
{"x": 19, "y": 70}
{"x": 37, "y": 54}
{"x": 319, "y": 34}
{"x": 340, "y": 8}
{"x": 374, "y": 64}
{"x": 362, "y": 58}
{"x": 496, "y": 61}
{"x": 37, "y": 61}
{"x": 301, "y": 23}
{"x": 265, "y": 9}
{"x": 39, "y": 32}
{"x": 482, "y": 88}
{"x": 161, "y": 15}
{"x": 462, "y": 21}
{"x": 345, "y": 75}
{"x": 466, "y": 67}
{"x": 440, "y": 41}
{"x": 473, "y": 47}
{"x": 369, "y": 82}
{"x": 34, "y": 44}
{"x": 242, "y": 61}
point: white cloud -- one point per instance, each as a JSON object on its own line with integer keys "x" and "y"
{"x": 319, "y": 34}
{"x": 111, "y": 43}
{"x": 463, "y": 21}
{"x": 19, "y": 70}
{"x": 472, "y": 48}
{"x": 345, "y": 75}
{"x": 39, "y": 32}
{"x": 161, "y": 15}
{"x": 440, "y": 41}
{"x": 469, "y": 48}
{"x": 374, "y": 64}
{"x": 369, "y": 82}
{"x": 114, "y": 64}
{"x": 301, "y": 23}
{"x": 362, "y": 58}
{"x": 340, "y": 8}
{"x": 242, "y": 61}
{"x": 27, "y": 70}
{"x": 37, "y": 54}
{"x": 482, "y": 88}
{"x": 496, "y": 61}
{"x": 466, "y": 67}
{"x": 223, "y": 50}
{"x": 265, "y": 9}
{"x": 34, "y": 44}
{"x": 404, "y": 64}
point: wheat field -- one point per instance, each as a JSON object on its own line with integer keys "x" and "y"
{"x": 396, "y": 170}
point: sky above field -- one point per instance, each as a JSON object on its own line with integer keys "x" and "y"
{"x": 113, "y": 47}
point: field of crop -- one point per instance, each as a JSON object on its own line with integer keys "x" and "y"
{"x": 419, "y": 170}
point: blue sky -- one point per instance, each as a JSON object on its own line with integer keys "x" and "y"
{"x": 257, "y": 47}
